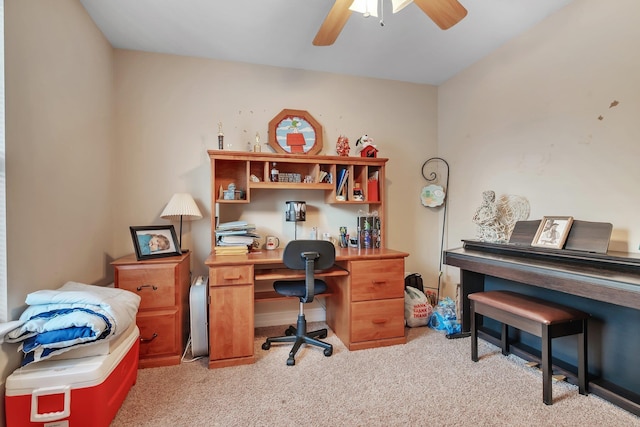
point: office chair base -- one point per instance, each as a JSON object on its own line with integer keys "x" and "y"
{"x": 300, "y": 336}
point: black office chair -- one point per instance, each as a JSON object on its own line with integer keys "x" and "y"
{"x": 308, "y": 255}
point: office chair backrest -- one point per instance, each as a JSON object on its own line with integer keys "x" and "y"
{"x": 309, "y": 255}
{"x": 294, "y": 259}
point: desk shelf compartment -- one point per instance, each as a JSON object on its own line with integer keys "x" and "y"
{"x": 267, "y": 276}
{"x": 290, "y": 175}
{"x": 357, "y": 174}
{"x": 230, "y": 171}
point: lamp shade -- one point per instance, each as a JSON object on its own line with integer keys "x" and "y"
{"x": 181, "y": 206}
{"x": 296, "y": 211}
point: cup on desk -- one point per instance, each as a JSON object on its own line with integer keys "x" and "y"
{"x": 328, "y": 238}
{"x": 272, "y": 243}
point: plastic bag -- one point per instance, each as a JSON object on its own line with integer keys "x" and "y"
{"x": 444, "y": 317}
{"x": 417, "y": 311}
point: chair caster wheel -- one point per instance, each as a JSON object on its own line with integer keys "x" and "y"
{"x": 323, "y": 336}
{"x": 291, "y": 361}
{"x": 266, "y": 345}
{"x": 290, "y": 331}
{"x": 328, "y": 352}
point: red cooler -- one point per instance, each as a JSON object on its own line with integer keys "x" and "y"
{"x": 84, "y": 391}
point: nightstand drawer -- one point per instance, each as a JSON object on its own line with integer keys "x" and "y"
{"x": 158, "y": 333}
{"x": 224, "y": 276}
{"x": 154, "y": 283}
{"x": 379, "y": 279}
{"x": 374, "y": 320}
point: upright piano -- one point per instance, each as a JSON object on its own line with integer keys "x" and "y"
{"x": 606, "y": 285}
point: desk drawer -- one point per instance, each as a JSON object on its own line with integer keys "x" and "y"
{"x": 377, "y": 279}
{"x": 224, "y": 276}
{"x": 153, "y": 283}
{"x": 374, "y": 320}
{"x": 158, "y": 333}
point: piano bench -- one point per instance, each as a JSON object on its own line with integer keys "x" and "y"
{"x": 541, "y": 318}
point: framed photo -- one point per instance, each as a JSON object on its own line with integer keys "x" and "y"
{"x": 553, "y": 231}
{"x": 155, "y": 241}
{"x": 295, "y": 132}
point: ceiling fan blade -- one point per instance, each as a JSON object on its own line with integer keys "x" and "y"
{"x": 445, "y": 13}
{"x": 333, "y": 23}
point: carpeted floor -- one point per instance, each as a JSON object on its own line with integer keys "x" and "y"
{"x": 430, "y": 381}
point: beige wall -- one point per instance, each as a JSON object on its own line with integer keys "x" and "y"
{"x": 525, "y": 121}
{"x": 168, "y": 108}
{"x": 59, "y": 90}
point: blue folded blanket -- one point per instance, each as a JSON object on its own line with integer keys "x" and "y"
{"x": 75, "y": 314}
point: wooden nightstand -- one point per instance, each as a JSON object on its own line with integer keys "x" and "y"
{"x": 163, "y": 316}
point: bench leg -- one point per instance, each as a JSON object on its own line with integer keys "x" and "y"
{"x": 583, "y": 368}
{"x": 473, "y": 317}
{"x": 545, "y": 356}
{"x": 505, "y": 339}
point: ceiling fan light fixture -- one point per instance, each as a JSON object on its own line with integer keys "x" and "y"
{"x": 444, "y": 13}
{"x": 398, "y": 5}
{"x": 366, "y": 7}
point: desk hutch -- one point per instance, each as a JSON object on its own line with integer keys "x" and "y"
{"x": 365, "y": 302}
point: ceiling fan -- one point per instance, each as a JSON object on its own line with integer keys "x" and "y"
{"x": 445, "y": 13}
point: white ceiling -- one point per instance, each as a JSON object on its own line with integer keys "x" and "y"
{"x": 409, "y": 47}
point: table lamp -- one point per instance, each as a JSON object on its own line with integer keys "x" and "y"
{"x": 181, "y": 206}
{"x": 296, "y": 211}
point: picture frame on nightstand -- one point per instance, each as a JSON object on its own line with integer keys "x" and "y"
{"x": 155, "y": 241}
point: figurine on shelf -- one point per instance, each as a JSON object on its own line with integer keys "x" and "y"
{"x": 256, "y": 147}
{"x": 358, "y": 195}
{"x": 365, "y": 146}
{"x": 220, "y": 137}
{"x": 342, "y": 146}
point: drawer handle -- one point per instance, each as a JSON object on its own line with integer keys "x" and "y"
{"x": 378, "y": 282}
{"x": 236, "y": 277}
{"x": 145, "y": 340}
{"x": 379, "y": 321}
{"x": 154, "y": 287}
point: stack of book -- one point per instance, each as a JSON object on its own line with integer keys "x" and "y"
{"x": 231, "y": 250}
{"x": 234, "y": 238}
{"x": 341, "y": 185}
{"x": 324, "y": 176}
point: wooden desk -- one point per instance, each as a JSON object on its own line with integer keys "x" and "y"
{"x": 605, "y": 285}
{"x": 365, "y": 301}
